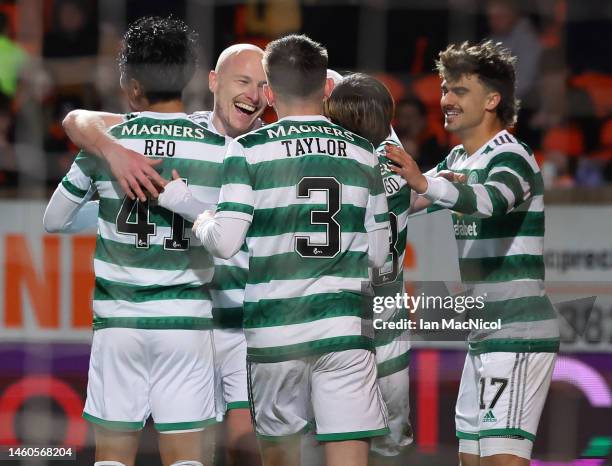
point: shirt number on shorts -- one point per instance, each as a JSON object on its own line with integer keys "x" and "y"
{"x": 303, "y": 244}
{"x": 494, "y": 381}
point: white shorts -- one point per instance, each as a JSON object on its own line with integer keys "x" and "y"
{"x": 395, "y": 393}
{"x": 500, "y": 401}
{"x": 337, "y": 390}
{"x": 134, "y": 373}
{"x": 230, "y": 370}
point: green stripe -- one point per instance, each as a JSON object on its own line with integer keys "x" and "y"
{"x": 280, "y": 220}
{"x": 500, "y": 269}
{"x": 155, "y": 257}
{"x": 526, "y": 309}
{"x": 235, "y": 207}
{"x": 511, "y": 182}
{"x": 509, "y": 225}
{"x": 393, "y": 365}
{"x": 499, "y": 203}
{"x": 466, "y": 201}
{"x": 171, "y": 426}
{"x": 381, "y": 218}
{"x": 197, "y": 172}
{"x": 154, "y": 323}
{"x": 121, "y": 426}
{"x": 209, "y": 136}
{"x": 229, "y": 277}
{"x": 72, "y": 189}
{"x": 109, "y": 209}
{"x": 353, "y": 435}
{"x": 544, "y": 345}
{"x": 237, "y": 405}
{"x": 515, "y": 162}
{"x": 292, "y": 266}
{"x": 309, "y": 348}
{"x": 236, "y": 170}
{"x": 400, "y": 201}
{"x": 598, "y": 447}
{"x": 506, "y": 433}
{"x": 287, "y": 172}
{"x": 466, "y": 436}
{"x": 110, "y": 290}
{"x": 88, "y": 164}
{"x": 303, "y": 309}
{"x": 227, "y": 317}
{"x": 266, "y": 134}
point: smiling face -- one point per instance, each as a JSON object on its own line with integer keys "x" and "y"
{"x": 237, "y": 85}
{"x": 466, "y": 103}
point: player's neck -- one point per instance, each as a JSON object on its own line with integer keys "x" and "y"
{"x": 474, "y": 138}
{"x": 170, "y": 106}
{"x": 297, "y": 108}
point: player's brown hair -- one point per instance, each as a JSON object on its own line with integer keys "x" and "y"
{"x": 363, "y": 105}
{"x": 493, "y": 64}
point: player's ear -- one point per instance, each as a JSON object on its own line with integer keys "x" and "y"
{"x": 493, "y": 100}
{"x": 212, "y": 81}
{"x": 269, "y": 95}
{"x": 329, "y": 87}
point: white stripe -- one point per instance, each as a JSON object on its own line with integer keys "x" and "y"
{"x": 161, "y": 308}
{"x": 499, "y": 247}
{"x": 275, "y": 150}
{"x": 393, "y": 349}
{"x": 110, "y": 190}
{"x": 266, "y": 337}
{"x": 483, "y": 201}
{"x": 533, "y": 204}
{"x": 189, "y": 150}
{"x": 238, "y": 193}
{"x": 207, "y": 194}
{"x": 265, "y": 246}
{"x": 227, "y": 298}
{"x": 502, "y": 291}
{"x": 282, "y": 197}
{"x": 523, "y": 183}
{"x": 283, "y": 289}
{"x": 144, "y": 277}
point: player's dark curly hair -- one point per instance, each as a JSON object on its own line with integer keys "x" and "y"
{"x": 494, "y": 66}
{"x": 296, "y": 66}
{"x": 363, "y": 105}
{"x": 161, "y": 54}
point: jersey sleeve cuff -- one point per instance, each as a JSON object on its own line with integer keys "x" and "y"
{"x": 436, "y": 188}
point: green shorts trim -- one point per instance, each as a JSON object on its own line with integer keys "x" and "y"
{"x": 237, "y": 405}
{"x": 353, "y": 435}
{"x": 154, "y": 323}
{"x": 394, "y": 365}
{"x": 284, "y": 438}
{"x": 120, "y": 426}
{"x": 495, "y": 433}
{"x": 170, "y": 426}
{"x": 466, "y": 436}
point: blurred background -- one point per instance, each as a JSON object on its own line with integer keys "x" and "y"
{"x": 58, "y": 55}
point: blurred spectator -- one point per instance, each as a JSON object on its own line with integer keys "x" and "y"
{"x": 510, "y": 27}
{"x": 12, "y": 59}
{"x": 8, "y": 166}
{"x": 74, "y": 33}
{"x": 415, "y": 135}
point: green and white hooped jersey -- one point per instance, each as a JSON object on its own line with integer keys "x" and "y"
{"x": 227, "y": 286}
{"x": 392, "y": 346}
{"x": 311, "y": 191}
{"x": 498, "y": 221}
{"x": 149, "y": 272}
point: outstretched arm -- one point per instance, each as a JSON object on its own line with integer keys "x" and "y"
{"x": 89, "y": 131}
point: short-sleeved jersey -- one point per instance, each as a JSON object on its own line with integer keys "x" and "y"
{"x": 227, "y": 286}
{"x": 498, "y": 221}
{"x": 392, "y": 346}
{"x": 311, "y": 191}
{"x": 149, "y": 272}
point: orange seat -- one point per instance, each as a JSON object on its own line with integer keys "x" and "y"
{"x": 568, "y": 140}
{"x": 599, "y": 88}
